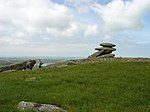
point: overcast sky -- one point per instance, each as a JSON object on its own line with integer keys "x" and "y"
{"x": 74, "y": 27}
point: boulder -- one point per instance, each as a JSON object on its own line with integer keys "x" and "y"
{"x": 106, "y": 52}
{"x": 18, "y": 66}
{"x": 38, "y": 107}
{"x": 71, "y": 63}
{"x": 105, "y": 49}
{"x": 97, "y": 53}
{"x": 107, "y": 56}
{"x": 107, "y": 45}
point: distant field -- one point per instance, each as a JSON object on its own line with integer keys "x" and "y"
{"x": 96, "y": 87}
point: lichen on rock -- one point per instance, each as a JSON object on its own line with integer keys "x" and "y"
{"x": 38, "y": 107}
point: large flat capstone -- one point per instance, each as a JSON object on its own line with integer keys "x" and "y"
{"x": 107, "y": 45}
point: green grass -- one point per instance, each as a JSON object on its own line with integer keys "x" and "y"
{"x": 97, "y": 87}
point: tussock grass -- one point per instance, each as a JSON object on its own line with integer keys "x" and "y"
{"x": 96, "y": 87}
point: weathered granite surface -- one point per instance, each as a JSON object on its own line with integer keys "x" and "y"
{"x": 107, "y": 45}
{"x": 38, "y": 107}
{"x": 18, "y": 66}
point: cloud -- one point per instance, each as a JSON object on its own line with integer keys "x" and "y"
{"x": 92, "y": 29}
{"x": 133, "y": 49}
{"x": 81, "y": 6}
{"x": 25, "y": 22}
{"x": 62, "y": 50}
{"x": 44, "y": 26}
{"x": 120, "y": 15}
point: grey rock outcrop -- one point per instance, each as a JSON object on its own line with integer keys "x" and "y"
{"x": 18, "y": 66}
{"x": 98, "y": 53}
{"x": 107, "y": 55}
{"x": 38, "y": 107}
{"x": 104, "y": 51}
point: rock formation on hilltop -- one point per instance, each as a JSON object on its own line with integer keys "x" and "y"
{"x": 104, "y": 51}
{"x": 18, "y": 66}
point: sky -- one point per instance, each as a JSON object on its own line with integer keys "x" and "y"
{"x": 73, "y": 28}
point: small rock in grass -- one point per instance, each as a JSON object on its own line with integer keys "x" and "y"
{"x": 30, "y": 79}
{"x": 38, "y": 107}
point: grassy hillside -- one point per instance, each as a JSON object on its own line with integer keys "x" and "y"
{"x": 97, "y": 87}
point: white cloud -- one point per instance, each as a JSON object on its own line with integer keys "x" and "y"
{"x": 23, "y": 21}
{"x": 92, "y": 30}
{"x": 122, "y": 15}
{"x": 82, "y": 6}
{"x": 42, "y": 26}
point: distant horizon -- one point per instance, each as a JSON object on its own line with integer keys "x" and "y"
{"x": 39, "y": 57}
{"x": 68, "y": 56}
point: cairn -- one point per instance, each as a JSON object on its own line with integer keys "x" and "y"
{"x": 104, "y": 51}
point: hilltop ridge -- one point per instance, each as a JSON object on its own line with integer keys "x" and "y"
{"x": 94, "y": 60}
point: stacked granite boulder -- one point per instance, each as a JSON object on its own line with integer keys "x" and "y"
{"x": 104, "y": 51}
